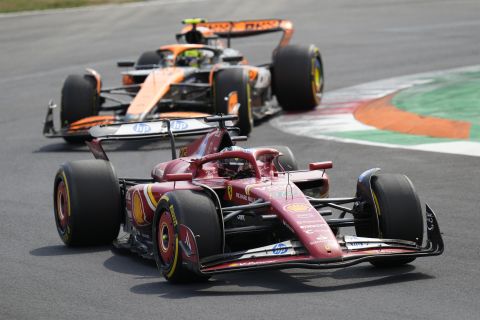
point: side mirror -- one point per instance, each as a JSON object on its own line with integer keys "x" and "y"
{"x": 320, "y": 165}
{"x": 233, "y": 59}
{"x": 125, "y": 64}
{"x": 178, "y": 177}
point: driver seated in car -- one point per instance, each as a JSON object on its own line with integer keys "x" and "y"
{"x": 235, "y": 168}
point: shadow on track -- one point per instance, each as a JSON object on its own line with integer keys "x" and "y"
{"x": 127, "y": 262}
{"x": 281, "y": 282}
{"x": 62, "y": 250}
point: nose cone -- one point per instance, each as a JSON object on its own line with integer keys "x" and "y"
{"x": 132, "y": 117}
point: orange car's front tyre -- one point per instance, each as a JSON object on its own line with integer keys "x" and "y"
{"x": 80, "y": 99}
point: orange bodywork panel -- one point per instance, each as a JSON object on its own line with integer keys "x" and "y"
{"x": 183, "y": 114}
{"x": 89, "y": 122}
{"x": 245, "y": 28}
{"x": 154, "y": 88}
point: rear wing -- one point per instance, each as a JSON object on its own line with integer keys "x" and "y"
{"x": 157, "y": 129}
{"x": 245, "y": 28}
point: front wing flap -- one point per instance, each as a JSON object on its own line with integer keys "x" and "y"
{"x": 292, "y": 254}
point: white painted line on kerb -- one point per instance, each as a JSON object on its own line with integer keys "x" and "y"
{"x": 335, "y": 114}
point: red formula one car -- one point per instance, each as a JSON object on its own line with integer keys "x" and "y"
{"x": 198, "y": 76}
{"x": 221, "y": 208}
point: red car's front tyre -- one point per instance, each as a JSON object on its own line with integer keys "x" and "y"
{"x": 195, "y": 210}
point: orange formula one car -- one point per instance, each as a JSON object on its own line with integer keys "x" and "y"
{"x": 197, "y": 76}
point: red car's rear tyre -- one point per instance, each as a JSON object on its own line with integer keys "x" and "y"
{"x": 195, "y": 210}
{"x": 87, "y": 203}
{"x": 298, "y": 77}
{"x": 287, "y": 161}
{"x": 398, "y": 211}
{"x": 80, "y": 99}
{"x": 234, "y": 80}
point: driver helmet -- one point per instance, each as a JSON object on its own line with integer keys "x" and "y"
{"x": 191, "y": 58}
{"x": 234, "y": 167}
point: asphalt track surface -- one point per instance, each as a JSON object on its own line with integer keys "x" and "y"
{"x": 360, "y": 40}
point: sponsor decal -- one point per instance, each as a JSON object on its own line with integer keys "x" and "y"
{"x": 302, "y": 216}
{"x": 430, "y": 222}
{"x": 151, "y": 201}
{"x": 297, "y": 207}
{"x": 178, "y": 125}
{"x": 187, "y": 242}
{"x": 284, "y": 194}
{"x": 183, "y": 152}
{"x": 315, "y": 242}
{"x": 244, "y": 197}
{"x": 311, "y": 226}
{"x": 138, "y": 214}
{"x": 174, "y": 217}
{"x": 279, "y": 248}
{"x": 251, "y": 186}
{"x": 230, "y": 192}
{"x": 142, "y": 128}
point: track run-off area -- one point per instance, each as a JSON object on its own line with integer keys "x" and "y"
{"x": 434, "y": 111}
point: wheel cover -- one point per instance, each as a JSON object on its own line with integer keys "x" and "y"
{"x": 63, "y": 208}
{"x": 166, "y": 238}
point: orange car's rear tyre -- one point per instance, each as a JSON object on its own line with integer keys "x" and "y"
{"x": 298, "y": 77}
{"x": 87, "y": 203}
{"x": 234, "y": 81}
{"x": 195, "y": 210}
{"x": 398, "y": 212}
{"x": 80, "y": 99}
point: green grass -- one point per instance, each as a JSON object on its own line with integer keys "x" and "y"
{"x": 27, "y": 5}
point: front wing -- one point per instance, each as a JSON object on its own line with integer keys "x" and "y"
{"x": 292, "y": 254}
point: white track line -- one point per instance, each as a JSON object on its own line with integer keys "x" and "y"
{"x": 317, "y": 124}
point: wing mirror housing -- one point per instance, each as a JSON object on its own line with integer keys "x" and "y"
{"x": 320, "y": 165}
{"x": 125, "y": 64}
{"x": 179, "y": 177}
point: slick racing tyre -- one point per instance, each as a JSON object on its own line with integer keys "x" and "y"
{"x": 87, "y": 203}
{"x": 397, "y": 213}
{"x": 80, "y": 99}
{"x": 287, "y": 161}
{"x": 231, "y": 86}
{"x": 148, "y": 60}
{"x": 298, "y": 77}
{"x": 195, "y": 210}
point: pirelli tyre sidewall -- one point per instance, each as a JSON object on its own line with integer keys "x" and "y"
{"x": 195, "y": 210}
{"x": 397, "y": 214}
{"x": 87, "y": 203}
{"x": 298, "y": 77}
